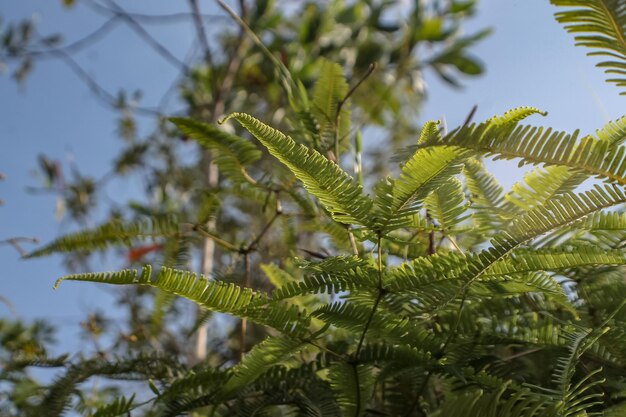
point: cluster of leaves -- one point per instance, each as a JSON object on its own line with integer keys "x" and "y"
{"x": 436, "y": 293}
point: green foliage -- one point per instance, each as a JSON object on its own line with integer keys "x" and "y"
{"x": 444, "y": 312}
{"x": 599, "y": 25}
{"x": 233, "y": 153}
{"x": 439, "y": 294}
{"x": 341, "y": 196}
{"x": 114, "y": 233}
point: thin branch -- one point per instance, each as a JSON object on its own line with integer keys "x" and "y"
{"x": 202, "y": 36}
{"x": 166, "y": 18}
{"x": 214, "y": 238}
{"x": 471, "y": 115}
{"x": 136, "y": 26}
{"x": 357, "y": 411}
{"x": 84, "y": 42}
{"x": 165, "y": 98}
{"x": 9, "y": 304}
{"x": 340, "y": 104}
{"x": 379, "y": 296}
{"x": 234, "y": 64}
{"x": 15, "y": 242}
{"x": 244, "y": 321}
{"x": 253, "y": 245}
{"x": 365, "y": 76}
{"x": 286, "y": 78}
{"x": 100, "y": 92}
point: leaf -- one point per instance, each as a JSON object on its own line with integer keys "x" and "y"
{"x": 397, "y": 199}
{"x": 601, "y": 26}
{"x": 212, "y": 295}
{"x": 120, "y": 406}
{"x": 268, "y": 353}
{"x": 114, "y": 233}
{"x": 353, "y": 385}
{"x": 233, "y": 153}
{"x": 537, "y": 145}
{"x": 446, "y": 205}
{"x": 335, "y": 189}
{"x": 329, "y": 91}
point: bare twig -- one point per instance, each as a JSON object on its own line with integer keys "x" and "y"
{"x": 379, "y": 296}
{"x": 78, "y": 45}
{"x": 99, "y": 92}
{"x": 15, "y": 242}
{"x": 9, "y": 304}
{"x": 343, "y": 101}
{"x": 140, "y": 31}
{"x": 202, "y": 36}
{"x": 471, "y": 115}
{"x": 165, "y": 18}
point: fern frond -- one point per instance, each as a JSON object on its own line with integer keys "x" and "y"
{"x": 111, "y": 234}
{"x": 446, "y": 205}
{"x": 612, "y": 221}
{"x": 485, "y": 195}
{"x": 398, "y": 199}
{"x": 212, "y": 295}
{"x": 329, "y": 284}
{"x": 556, "y": 213}
{"x": 511, "y": 117}
{"x": 353, "y": 317}
{"x": 536, "y": 145}
{"x": 541, "y": 185}
{"x": 264, "y": 355}
{"x": 601, "y": 26}
{"x": 550, "y": 259}
{"x": 516, "y": 284}
{"x": 404, "y": 355}
{"x": 353, "y": 385}
{"x": 121, "y": 406}
{"x": 329, "y": 90}
{"x": 486, "y": 400}
{"x": 233, "y": 153}
{"x": 182, "y": 393}
{"x": 337, "y": 191}
{"x": 21, "y": 362}
{"x": 614, "y": 132}
{"x": 58, "y": 396}
{"x": 430, "y": 133}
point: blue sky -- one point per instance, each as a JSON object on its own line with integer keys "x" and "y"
{"x": 530, "y": 60}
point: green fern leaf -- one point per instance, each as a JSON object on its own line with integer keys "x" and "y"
{"x": 353, "y": 385}
{"x": 446, "y": 205}
{"x": 556, "y": 213}
{"x": 511, "y": 117}
{"x": 114, "y": 233}
{"x": 332, "y": 276}
{"x": 121, "y": 406}
{"x": 601, "y": 26}
{"x": 264, "y": 355}
{"x": 398, "y": 199}
{"x": 535, "y": 145}
{"x": 614, "y": 132}
{"x": 485, "y": 195}
{"x": 337, "y": 191}
{"x": 212, "y": 295}
{"x": 233, "y": 153}
{"x": 550, "y": 259}
{"x": 539, "y": 186}
{"x": 329, "y": 91}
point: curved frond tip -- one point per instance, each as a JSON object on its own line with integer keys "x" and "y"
{"x": 601, "y": 26}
